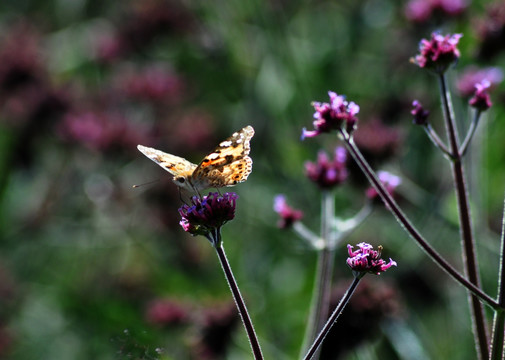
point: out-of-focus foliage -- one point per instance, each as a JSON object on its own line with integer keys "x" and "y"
{"x": 91, "y": 268}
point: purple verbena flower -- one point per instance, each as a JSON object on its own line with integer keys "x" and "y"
{"x": 420, "y": 114}
{"x": 473, "y": 75}
{"x": 438, "y": 53}
{"x": 421, "y": 11}
{"x": 367, "y": 260}
{"x": 334, "y": 115}
{"x": 325, "y": 173}
{"x": 206, "y": 215}
{"x": 389, "y": 181}
{"x": 481, "y": 99}
{"x": 288, "y": 214}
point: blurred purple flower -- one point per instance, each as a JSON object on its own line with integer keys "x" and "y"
{"x": 389, "y": 181}
{"x": 334, "y": 115}
{"x": 153, "y": 83}
{"x": 472, "y": 75}
{"x": 207, "y": 214}
{"x": 420, "y": 113}
{"x": 99, "y": 130}
{"x": 165, "y": 312}
{"x": 288, "y": 215}
{"x": 491, "y": 31}
{"x": 481, "y": 99}
{"x": 438, "y": 53}
{"x": 422, "y": 10}
{"x": 367, "y": 260}
{"x": 325, "y": 173}
{"x": 215, "y": 330}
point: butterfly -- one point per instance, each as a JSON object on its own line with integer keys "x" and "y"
{"x": 227, "y": 165}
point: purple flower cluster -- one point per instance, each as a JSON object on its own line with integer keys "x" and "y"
{"x": 481, "y": 99}
{"x": 421, "y": 11}
{"x": 473, "y": 75}
{"x": 326, "y": 173}
{"x": 335, "y": 115}
{"x": 207, "y": 214}
{"x": 288, "y": 214}
{"x": 367, "y": 260}
{"x": 439, "y": 52}
{"x": 389, "y": 181}
{"x": 420, "y": 113}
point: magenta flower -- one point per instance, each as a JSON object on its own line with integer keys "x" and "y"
{"x": 472, "y": 75}
{"x": 481, "y": 99}
{"x": 438, "y": 53}
{"x": 206, "y": 215}
{"x": 288, "y": 215}
{"x": 420, "y": 114}
{"x": 325, "y": 173}
{"x": 165, "y": 312}
{"x": 367, "y": 260}
{"x": 389, "y": 181}
{"x": 421, "y": 11}
{"x": 334, "y": 115}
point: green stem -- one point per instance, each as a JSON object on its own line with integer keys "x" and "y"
{"x": 468, "y": 243}
{"x": 470, "y": 133}
{"x": 333, "y": 318}
{"x": 323, "y": 279}
{"x": 239, "y": 301}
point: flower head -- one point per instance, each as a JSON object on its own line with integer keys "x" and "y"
{"x": 438, "y": 53}
{"x": 481, "y": 99}
{"x": 420, "y": 114}
{"x": 367, "y": 260}
{"x": 326, "y": 173}
{"x": 389, "y": 181}
{"x": 334, "y": 115}
{"x": 473, "y": 75}
{"x": 288, "y": 214}
{"x": 206, "y": 215}
{"x": 420, "y": 11}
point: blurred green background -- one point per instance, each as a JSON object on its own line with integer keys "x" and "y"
{"x": 91, "y": 268}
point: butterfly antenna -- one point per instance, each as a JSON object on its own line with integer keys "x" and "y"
{"x": 143, "y": 184}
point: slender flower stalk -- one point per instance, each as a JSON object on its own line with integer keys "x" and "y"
{"x": 333, "y": 318}
{"x": 239, "y": 301}
{"x": 205, "y": 216}
{"x": 362, "y": 261}
{"x": 435, "y": 139}
{"x": 407, "y": 224}
{"x": 323, "y": 278}
{"x": 470, "y": 133}
{"x": 468, "y": 242}
{"x": 499, "y": 315}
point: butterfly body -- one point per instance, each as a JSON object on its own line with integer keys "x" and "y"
{"x": 228, "y": 165}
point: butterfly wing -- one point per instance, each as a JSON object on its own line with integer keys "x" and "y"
{"x": 175, "y": 165}
{"x": 229, "y": 163}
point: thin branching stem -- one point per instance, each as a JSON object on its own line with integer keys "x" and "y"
{"x": 435, "y": 139}
{"x": 470, "y": 133}
{"x": 408, "y": 226}
{"x": 333, "y": 318}
{"x": 239, "y": 301}
{"x": 499, "y": 316}
{"x": 324, "y": 271}
{"x": 468, "y": 242}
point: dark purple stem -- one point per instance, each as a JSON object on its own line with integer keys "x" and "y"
{"x": 468, "y": 243}
{"x": 333, "y": 318}
{"x": 239, "y": 301}
{"x": 408, "y": 226}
